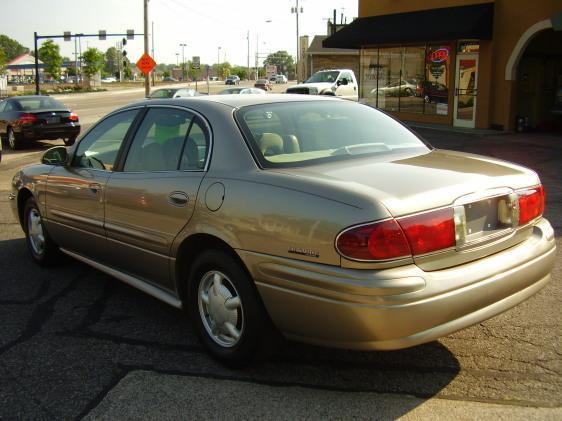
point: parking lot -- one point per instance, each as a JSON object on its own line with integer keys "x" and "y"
{"x": 77, "y": 343}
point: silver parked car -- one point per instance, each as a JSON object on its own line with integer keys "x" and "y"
{"x": 326, "y": 220}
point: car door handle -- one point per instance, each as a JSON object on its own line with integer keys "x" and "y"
{"x": 178, "y": 198}
{"x": 95, "y": 187}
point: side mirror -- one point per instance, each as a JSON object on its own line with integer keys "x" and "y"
{"x": 55, "y": 156}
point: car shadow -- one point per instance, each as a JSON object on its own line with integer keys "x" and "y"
{"x": 31, "y": 146}
{"x": 109, "y": 330}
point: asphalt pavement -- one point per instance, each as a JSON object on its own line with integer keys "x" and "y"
{"x": 76, "y": 343}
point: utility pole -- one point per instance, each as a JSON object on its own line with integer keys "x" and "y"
{"x": 248, "y": 64}
{"x": 152, "y": 40}
{"x": 147, "y": 76}
{"x": 36, "y": 66}
{"x": 296, "y": 10}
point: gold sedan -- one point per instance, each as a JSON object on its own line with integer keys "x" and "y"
{"x": 322, "y": 219}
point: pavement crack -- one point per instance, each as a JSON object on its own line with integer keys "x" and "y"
{"x": 41, "y": 292}
{"x": 41, "y": 315}
{"x": 30, "y": 394}
{"x": 120, "y": 340}
{"x": 119, "y": 372}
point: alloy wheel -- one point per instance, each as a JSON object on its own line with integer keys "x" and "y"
{"x": 35, "y": 232}
{"x": 220, "y": 309}
{"x": 12, "y": 139}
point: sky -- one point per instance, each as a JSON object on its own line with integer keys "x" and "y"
{"x": 204, "y": 25}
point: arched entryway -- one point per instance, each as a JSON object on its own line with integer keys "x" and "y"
{"x": 538, "y": 76}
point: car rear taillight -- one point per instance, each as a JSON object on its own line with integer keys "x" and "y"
{"x": 394, "y": 239}
{"x": 377, "y": 241}
{"x": 73, "y": 116}
{"x": 531, "y": 204}
{"x": 430, "y": 231}
{"x": 27, "y": 118}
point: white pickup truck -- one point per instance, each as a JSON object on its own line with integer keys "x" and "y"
{"x": 335, "y": 82}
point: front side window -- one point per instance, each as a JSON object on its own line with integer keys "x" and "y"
{"x": 305, "y": 133}
{"x": 99, "y": 148}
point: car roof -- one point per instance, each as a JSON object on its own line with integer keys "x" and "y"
{"x": 235, "y": 101}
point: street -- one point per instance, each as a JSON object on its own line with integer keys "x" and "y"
{"x": 77, "y": 343}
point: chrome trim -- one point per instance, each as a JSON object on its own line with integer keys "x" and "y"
{"x": 77, "y": 218}
{"x": 459, "y": 217}
{"x": 139, "y": 284}
{"x": 135, "y": 233}
{"x": 508, "y": 214}
{"x": 481, "y": 195}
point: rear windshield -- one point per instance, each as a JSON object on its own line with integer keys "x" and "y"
{"x": 304, "y": 133}
{"x": 323, "y": 77}
{"x": 40, "y": 103}
{"x": 162, "y": 93}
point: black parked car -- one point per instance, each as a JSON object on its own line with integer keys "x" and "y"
{"x": 36, "y": 117}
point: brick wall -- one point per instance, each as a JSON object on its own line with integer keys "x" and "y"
{"x": 321, "y": 62}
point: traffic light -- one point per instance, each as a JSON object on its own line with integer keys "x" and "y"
{"x": 124, "y": 41}
{"x": 124, "y": 53}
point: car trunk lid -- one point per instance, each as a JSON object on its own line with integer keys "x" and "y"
{"x": 480, "y": 192}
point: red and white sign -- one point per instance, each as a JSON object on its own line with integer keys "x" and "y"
{"x": 439, "y": 56}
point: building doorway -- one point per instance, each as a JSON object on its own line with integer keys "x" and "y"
{"x": 466, "y": 83}
{"x": 539, "y": 83}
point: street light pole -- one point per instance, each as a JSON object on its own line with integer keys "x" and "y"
{"x": 183, "y": 61}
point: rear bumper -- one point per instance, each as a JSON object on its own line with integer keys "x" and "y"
{"x": 399, "y": 307}
{"x": 50, "y": 132}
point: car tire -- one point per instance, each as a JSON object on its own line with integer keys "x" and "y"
{"x": 226, "y": 310}
{"x": 14, "y": 140}
{"x": 408, "y": 92}
{"x": 426, "y": 98}
{"x": 69, "y": 141}
{"x": 42, "y": 248}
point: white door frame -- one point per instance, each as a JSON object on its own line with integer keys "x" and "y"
{"x": 463, "y": 122}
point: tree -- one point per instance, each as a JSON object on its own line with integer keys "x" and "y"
{"x": 111, "y": 61}
{"x": 49, "y": 53}
{"x": 282, "y": 60}
{"x": 93, "y": 60}
{"x": 3, "y": 61}
{"x": 241, "y": 72}
{"x": 222, "y": 70}
{"x": 11, "y": 47}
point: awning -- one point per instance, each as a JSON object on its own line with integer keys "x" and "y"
{"x": 449, "y": 23}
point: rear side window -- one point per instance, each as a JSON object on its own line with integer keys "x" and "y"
{"x": 168, "y": 140}
{"x": 39, "y": 103}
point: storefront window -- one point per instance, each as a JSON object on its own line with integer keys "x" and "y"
{"x": 413, "y": 79}
{"x": 435, "y": 89}
{"x": 388, "y": 90}
{"x": 369, "y": 75}
{"x": 413, "y": 65}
